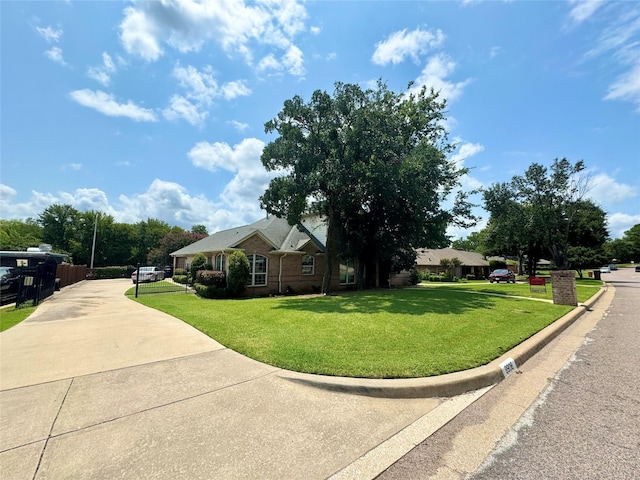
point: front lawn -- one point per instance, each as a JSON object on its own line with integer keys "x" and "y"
{"x": 378, "y": 334}
{"x": 10, "y": 316}
{"x": 584, "y": 288}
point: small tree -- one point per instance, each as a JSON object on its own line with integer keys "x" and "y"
{"x": 239, "y": 273}
{"x": 198, "y": 263}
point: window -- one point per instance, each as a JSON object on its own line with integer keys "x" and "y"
{"x": 258, "y": 270}
{"x": 347, "y": 273}
{"x": 307, "y": 265}
{"x": 220, "y": 262}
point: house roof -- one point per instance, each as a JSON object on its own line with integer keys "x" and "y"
{"x": 275, "y": 231}
{"x": 432, "y": 257}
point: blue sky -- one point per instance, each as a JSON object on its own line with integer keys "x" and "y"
{"x": 157, "y": 109}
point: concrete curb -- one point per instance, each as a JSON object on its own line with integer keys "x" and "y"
{"x": 451, "y": 384}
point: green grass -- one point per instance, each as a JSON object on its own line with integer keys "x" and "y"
{"x": 377, "y": 334}
{"x": 10, "y": 316}
{"x": 584, "y": 288}
{"x": 162, "y": 286}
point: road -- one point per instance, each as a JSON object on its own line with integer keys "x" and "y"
{"x": 584, "y": 425}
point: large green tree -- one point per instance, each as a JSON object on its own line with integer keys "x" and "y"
{"x": 59, "y": 223}
{"x": 474, "y": 242}
{"x": 587, "y": 236}
{"x": 537, "y": 210}
{"x": 19, "y": 234}
{"x": 171, "y": 242}
{"x": 372, "y": 163}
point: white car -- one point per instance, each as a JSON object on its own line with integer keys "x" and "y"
{"x": 148, "y": 274}
{"x": 605, "y": 270}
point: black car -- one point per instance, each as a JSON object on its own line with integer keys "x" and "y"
{"x": 8, "y": 285}
{"x": 637, "y": 268}
{"x": 502, "y": 275}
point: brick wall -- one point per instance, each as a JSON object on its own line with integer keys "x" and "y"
{"x": 563, "y": 286}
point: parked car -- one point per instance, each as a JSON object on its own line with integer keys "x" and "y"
{"x": 605, "y": 270}
{"x": 8, "y": 285}
{"x": 637, "y": 268}
{"x": 503, "y": 275}
{"x": 613, "y": 267}
{"x": 148, "y": 274}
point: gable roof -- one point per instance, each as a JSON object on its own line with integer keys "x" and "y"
{"x": 275, "y": 231}
{"x": 432, "y": 257}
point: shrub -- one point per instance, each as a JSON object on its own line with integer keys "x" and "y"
{"x": 181, "y": 279}
{"x": 239, "y": 272}
{"x": 471, "y": 276}
{"x": 198, "y": 263}
{"x": 414, "y": 277}
{"x": 113, "y": 272}
{"x": 212, "y": 278}
{"x": 210, "y": 291}
{"x": 495, "y": 264}
{"x": 179, "y": 271}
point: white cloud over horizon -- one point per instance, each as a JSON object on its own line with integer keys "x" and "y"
{"x": 107, "y": 105}
{"x": 403, "y": 44}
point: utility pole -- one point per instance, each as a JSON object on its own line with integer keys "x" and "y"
{"x": 93, "y": 247}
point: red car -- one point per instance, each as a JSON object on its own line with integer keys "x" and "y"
{"x": 502, "y": 275}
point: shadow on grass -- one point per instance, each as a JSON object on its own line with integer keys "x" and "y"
{"x": 406, "y": 302}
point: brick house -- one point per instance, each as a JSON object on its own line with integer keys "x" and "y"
{"x": 282, "y": 258}
{"x": 472, "y": 263}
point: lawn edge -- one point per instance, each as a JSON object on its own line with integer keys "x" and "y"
{"x": 450, "y": 384}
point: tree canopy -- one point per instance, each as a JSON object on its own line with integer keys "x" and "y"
{"x": 543, "y": 213}
{"x": 373, "y": 164}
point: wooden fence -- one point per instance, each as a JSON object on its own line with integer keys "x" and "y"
{"x": 70, "y": 274}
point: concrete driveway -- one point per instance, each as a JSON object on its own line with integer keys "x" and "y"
{"x": 94, "y": 385}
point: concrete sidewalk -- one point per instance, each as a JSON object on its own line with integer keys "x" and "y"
{"x": 94, "y": 385}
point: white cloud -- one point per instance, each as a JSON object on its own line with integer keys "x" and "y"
{"x": 243, "y": 159}
{"x": 494, "y": 52}
{"x": 583, "y": 9}
{"x": 201, "y": 89}
{"x": 180, "y": 107}
{"x": 55, "y": 54}
{"x": 235, "y": 89}
{"x": 49, "y": 34}
{"x": 138, "y": 35}
{"x": 102, "y": 73}
{"x": 269, "y": 63}
{"x": 619, "y": 223}
{"x": 107, "y": 105}
{"x": 466, "y": 150}
{"x": 293, "y": 61}
{"x": 315, "y": 30}
{"x": 240, "y": 126}
{"x": 401, "y": 45}
{"x": 626, "y": 87}
{"x": 435, "y": 74}
{"x": 235, "y": 25}
{"x": 608, "y": 191}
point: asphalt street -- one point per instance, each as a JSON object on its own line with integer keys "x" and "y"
{"x": 584, "y": 425}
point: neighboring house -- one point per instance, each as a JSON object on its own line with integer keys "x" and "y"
{"x": 472, "y": 263}
{"x": 282, "y": 258}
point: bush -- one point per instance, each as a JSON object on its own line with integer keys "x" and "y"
{"x": 471, "y": 276}
{"x": 179, "y": 271}
{"x": 113, "y": 272}
{"x": 496, "y": 264}
{"x": 198, "y": 263}
{"x": 239, "y": 272}
{"x": 414, "y": 277}
{"x": 210, "y": 291}
{"x": 183, "y": 279}
{"x": 211, "y": 278}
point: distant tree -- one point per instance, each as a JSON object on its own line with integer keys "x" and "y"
{"x": 587, "y": 236}
{"x": 19, "y": 234}
{"x": 474, "y": 242}
{"x": 59, "y": 224}
{"x": 373, "y": 164}
{"x": 536, "y": 211}
{"x": 148, "y": 235}
{"x": 168, "y": 244}
{"x": 199, "y": 229}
